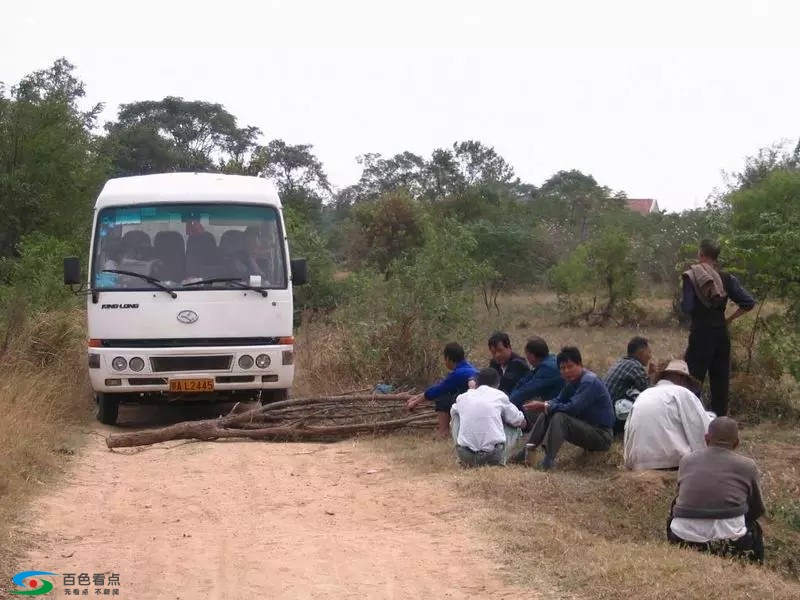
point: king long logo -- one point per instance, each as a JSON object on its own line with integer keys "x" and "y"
{"x": 187, "y": 316}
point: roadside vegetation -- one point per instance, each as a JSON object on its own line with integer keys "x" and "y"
{"x": 422, "y": 250}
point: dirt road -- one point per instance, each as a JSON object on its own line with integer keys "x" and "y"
{"x": 232, "y": 520}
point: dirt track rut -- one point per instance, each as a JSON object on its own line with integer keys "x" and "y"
{"x": 224, "y": 520}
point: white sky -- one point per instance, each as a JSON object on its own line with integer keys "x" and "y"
{"x": 655, "y": 99}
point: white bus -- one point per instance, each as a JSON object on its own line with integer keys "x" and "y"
{"x": 189, "y": 291}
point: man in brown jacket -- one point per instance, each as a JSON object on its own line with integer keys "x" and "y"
{"x": 719, "y": 498}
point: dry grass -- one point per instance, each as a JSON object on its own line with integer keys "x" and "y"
{"x": 319, "y": 341}
{"x": 597, "y": 531}
{"x": 43, "y": 394}
{"x": 525, "y": 314}
{"x": 592, "y": 528}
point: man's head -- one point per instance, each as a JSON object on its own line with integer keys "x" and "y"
{"x": 639, "y": 348}
{"x": 453, "y": 354}
{"x": 536, "y": 350}
{"x": 570, "y": 364}
{"x": 709, "y": 250}
{"x": 500, "y": 347}
{"x": 488, "y": 377}
{"x": 723, "y": 432}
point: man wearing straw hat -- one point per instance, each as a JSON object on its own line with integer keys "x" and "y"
{"x": 667, "y": 421}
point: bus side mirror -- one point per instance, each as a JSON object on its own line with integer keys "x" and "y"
{"x": 72, "y": 271}
{"x": 299, "y": 271}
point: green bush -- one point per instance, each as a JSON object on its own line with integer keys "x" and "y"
{"x": 597, "y": 281}
{"x": 37, "y": 276}
{"x": 395, "y": 329}
{"x": 322, "y": 292}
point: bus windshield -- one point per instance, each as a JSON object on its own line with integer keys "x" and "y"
{"x": 183, "y": 244}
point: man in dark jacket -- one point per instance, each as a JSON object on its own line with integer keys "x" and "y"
{"x": 543, "y": 381}
{"x": 509, "y": 365}
{"x": 719, "y": 498}
{"x": 582, "y": 414}
{"x": 706, "y": 291}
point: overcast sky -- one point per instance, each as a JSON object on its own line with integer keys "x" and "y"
{"x": 652, "y": 100}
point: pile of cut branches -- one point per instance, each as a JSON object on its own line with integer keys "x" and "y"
{"x": 319, "y": 419}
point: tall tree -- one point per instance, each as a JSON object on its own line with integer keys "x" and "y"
{"x": 574, "y": 198}
{"x": 387, "y": 229}
{"x": 173, "y": 134}
{"x": 49, "y": 166}
{"x": 482, "y": 164}
{"x": 381, "y": 175}
{"x": 299, "y": 175}
{"x": 293, "y": 167}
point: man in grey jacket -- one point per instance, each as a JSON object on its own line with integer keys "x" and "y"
{"x": 719, "y": 498}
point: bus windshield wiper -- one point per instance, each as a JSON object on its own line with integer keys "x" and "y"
{"x": 147, "y": 278}
{"x": 237, "y": 281}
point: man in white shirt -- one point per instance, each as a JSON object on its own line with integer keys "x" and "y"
{"x": 667, "y": 422}
{"x": 484, "y": 423}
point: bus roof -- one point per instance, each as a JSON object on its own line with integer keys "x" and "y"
{"x": 187, "y": 187}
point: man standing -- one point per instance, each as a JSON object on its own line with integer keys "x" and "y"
{"x": 581, "y": 414}
{"x": 667, "y": 422}
{"x": 706, "y": 291}
{"x": 484, "y": 423}
{"x": 444, "y": 393}
{"x": 509, "y": 365}
{"x": 627, "y": 378}
{"x": 719, "y": 498}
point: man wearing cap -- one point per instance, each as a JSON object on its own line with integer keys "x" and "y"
{"x": 666, "y": 423}
{"x": 719, "y": 498}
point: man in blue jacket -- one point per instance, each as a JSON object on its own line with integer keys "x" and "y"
{"x": 581, "y": 414}
{"x": 444, "y": 393}
{"x": 544, "y": 381}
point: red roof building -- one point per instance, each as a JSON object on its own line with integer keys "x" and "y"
{"x": 643, "y": 206}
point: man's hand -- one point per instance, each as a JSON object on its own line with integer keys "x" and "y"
{"x": 739, "y": 312}
{"x": 536, "y": 406}
{"x": 651, "y": 368}
{"x": 415, "y": 401}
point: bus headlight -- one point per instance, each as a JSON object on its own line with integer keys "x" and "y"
{"x": 263, "y": 361}
{"x": 119, "y": 363}
{"x": 245, "y": 361}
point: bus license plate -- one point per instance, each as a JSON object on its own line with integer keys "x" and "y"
{"x": 191, "y": 385}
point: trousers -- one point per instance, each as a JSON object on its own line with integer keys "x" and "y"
{"x": 709, "y": 352}
{"x": 750, "y": 546}
{"x": 551, "y": 431}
